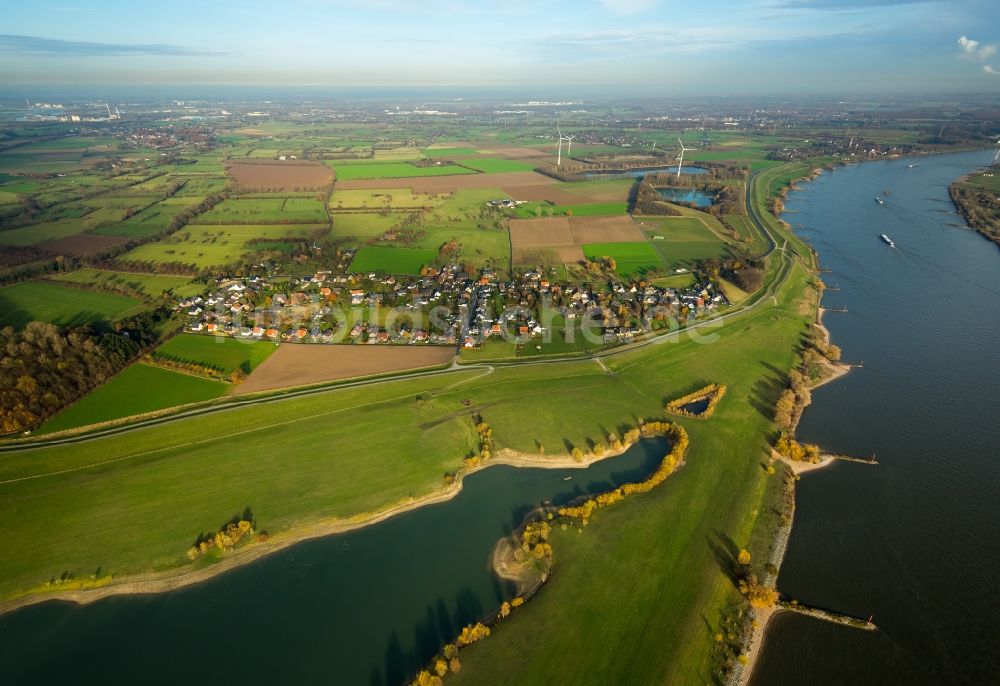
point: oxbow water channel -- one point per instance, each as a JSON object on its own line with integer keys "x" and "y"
{"x": 368, "y": 607}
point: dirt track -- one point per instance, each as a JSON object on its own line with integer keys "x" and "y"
{"x": 301, "y": 364}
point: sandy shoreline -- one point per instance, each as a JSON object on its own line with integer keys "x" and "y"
{"x": 162, "y": 582}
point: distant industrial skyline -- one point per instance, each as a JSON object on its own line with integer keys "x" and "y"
{"x": 767, "y": 46}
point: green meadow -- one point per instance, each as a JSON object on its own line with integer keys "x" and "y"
{"x": 221, "y": 352}
{"x": 531, "y": 210}
{"x": 211, "y": 245}
{"x": 633, "y": 259}
{"x": 362, "y": 226}
{"x": 685, "y": 240}
{"x": 291, "y": 210}
{"x": 138, "y": 389}
{"x": 39, "y": 301}
{"x": 391, "y": 260}
{"x": 46, "y": 231}
{"x": 385, "y": 199}
{"x": 152, "y": 285}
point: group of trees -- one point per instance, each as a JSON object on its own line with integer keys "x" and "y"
{"x": 787, "y": 446}
{"x": 792, "y": 400}
{"x": 713, "y": 392}
{"x": 745, "y": 272}
{"x": 670, "y": 462}
{"x": 817, "y": 352}
{"x": 226, "y": 538}
{"x": 979, "y": 206}
{"x": 759, "y": 595}
{"x": 180, "y": 364}
{"x": 485, "y": 448}
{"x": 43, "y": 369}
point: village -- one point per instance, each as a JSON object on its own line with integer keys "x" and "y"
{"x": 443, "y": 307}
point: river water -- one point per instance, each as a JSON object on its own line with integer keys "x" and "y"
{"x": 914, "y": 541}
{"x": 369, "y": 607}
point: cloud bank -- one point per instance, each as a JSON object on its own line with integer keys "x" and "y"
{"x": 32, "y": 45}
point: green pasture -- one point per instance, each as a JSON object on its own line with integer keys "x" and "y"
{"x": 391, "y": 260}
{"x": 138, "y": 389}
{"x": 152, "y": 285}
{"x": 633, "y": 259}
{"x": 219, "y": 352}
{"x": 39, "y": 301}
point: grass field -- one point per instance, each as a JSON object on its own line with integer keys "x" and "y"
{"x": 223, "y": 353}
{"x": 633, "y": 259}
{"x": 385, "y": 199}
{"x": 209, "y": 245}
{"x": 291, "y": 210}
{"x": 460, "y": 218}
{"x": 534, "y": 209}
{"x": 391, "y": 260}
{"x": 393, "y": 170}
{"x": 686, "y": 239}
{"x": 152, "y": 285}
{"x": 748, "y": 237}
{"x": 362, "y": 226}
{"x": 36, "y": 301}
{"x": 45, "y": 231}
{"x": 495, "y": 165}
{"x": 140, "y": 388}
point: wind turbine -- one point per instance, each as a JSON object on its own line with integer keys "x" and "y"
{"x": 680, "y": 158}
{"x": 569, "y": 147}
{"x": 569, "y": 144}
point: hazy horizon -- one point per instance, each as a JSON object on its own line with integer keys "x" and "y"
{"x": 792, "y": 47}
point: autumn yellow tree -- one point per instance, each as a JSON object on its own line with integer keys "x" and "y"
{"x": 757, "y": 594}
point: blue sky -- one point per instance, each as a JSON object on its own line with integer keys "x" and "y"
{"x": 676, "y": 46}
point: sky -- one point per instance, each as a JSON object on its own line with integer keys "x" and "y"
{"x": 661, "y": 46}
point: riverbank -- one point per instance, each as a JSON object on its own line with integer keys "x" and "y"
{"x": 179, "y": 577}
{"x": 760, "y": 618}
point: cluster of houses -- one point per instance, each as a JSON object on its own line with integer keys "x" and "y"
{"x": 444, "y": 307}
{"x": 527, "y": 307}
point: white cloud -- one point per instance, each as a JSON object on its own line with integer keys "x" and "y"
{"x": 628, "y": 6}
{"x": 974, "y": 50}
{"x": 990, "y": 70}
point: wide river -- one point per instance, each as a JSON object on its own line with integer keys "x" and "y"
{"x": 369, "y": 607}
{"x": 914, "y": 541}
